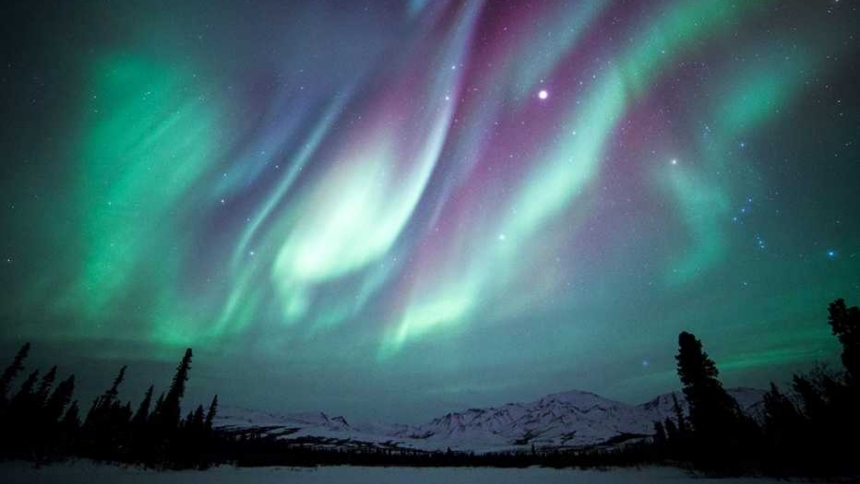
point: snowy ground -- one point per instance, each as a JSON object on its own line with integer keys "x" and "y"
{"x": 85, "y": 472}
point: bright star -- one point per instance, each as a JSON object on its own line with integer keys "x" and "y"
{"x": 543, "y": 94}
{"x": 831, "y": 254}
{"x": 674, "y": 161}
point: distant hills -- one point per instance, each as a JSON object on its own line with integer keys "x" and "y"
{"x": 571, "y": 419}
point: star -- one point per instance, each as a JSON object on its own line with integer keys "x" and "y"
{"x": 543, "y": 94}
{"x": 831, "y": 254}
{"x": 674, "y": 161}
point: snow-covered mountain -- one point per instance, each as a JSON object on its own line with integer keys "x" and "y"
{"x": 570, "y": 419}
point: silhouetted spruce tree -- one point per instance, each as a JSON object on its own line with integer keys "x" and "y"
{"x": 210, "y": 415}
{"x": 155, "y": 416}
{"x": 209, "y": 440}
{"x": 186, "y": 422}
{"x": 142, "y": 433}
{"x": 57, "y": 402}
{"x": 845, "y": 324}
{"x": 100, "y": 410}
{"x": 198, "y": 420}
{"x": 111, "y": 394}
{"x": 170, "y": 409}
{"x": 142, "y": 415}
{"x": 70, "y": 425}
{"x": 13, "y": 370}
{"x": 715, "y": 417}
{"x": 105, "y": 429}
{"x": 46, "y": 385}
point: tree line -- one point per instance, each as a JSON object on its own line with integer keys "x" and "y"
{"x": 805, "y": 429}
{"x": 42, "y": 421}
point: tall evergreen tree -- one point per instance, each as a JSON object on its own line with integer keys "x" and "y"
{"x": 69, "y": 427}
{"x": 210, "y": 415}
{"x": 170, "y": 409}
{"x": 198, "y": 420}
{"x": 112, "y": 392}
{"x": 99, "y": 416}
{"x": 142, "y": 414}
{"x": 187, "y": 421}
{"x": 101, "y": 409}
{"x": 715, "y": 417}
{"x": 12, "y": 370}
{"x": 45, "y": 386}
{"x": 58, "y": 400}
{"x": 155, "y": 415}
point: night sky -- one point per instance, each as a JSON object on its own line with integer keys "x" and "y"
{"x": 394, "y": 209}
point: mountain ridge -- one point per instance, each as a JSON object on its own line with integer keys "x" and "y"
{"x": 570, "y": 419}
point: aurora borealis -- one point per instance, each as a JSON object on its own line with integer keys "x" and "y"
{"x": 393, "y": 208}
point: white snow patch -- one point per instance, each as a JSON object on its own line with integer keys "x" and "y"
{"x": 85, "y": 472}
